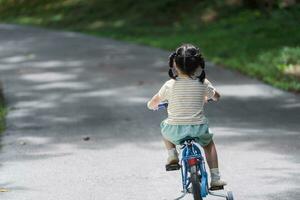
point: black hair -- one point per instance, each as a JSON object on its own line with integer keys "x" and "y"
{"x": 188, "y": 59}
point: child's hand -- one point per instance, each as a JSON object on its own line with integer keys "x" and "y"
{"x": 153, "y": 103}
{"x": 205, "y": 99}
{"x": 151, "y": 107}
{"x": 216, "y": 97}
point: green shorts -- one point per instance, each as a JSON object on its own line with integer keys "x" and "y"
{"x": 175, "y": 133}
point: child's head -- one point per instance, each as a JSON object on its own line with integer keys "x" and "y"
{"x": 187, "y": 59}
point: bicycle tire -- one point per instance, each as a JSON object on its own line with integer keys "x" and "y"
{"x": 196, "y": 184}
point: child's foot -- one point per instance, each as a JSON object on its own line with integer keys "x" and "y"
{"x": 216, "y": 182}
{"x": 172, "y": 159}
{"x": 172, "y": 162}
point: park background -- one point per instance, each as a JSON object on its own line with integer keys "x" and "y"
{"x": 259, "y": 39}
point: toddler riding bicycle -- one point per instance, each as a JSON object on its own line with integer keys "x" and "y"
{"x": 186, "y": 93}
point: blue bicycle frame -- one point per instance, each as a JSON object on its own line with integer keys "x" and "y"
{"x": 191, "y": 154}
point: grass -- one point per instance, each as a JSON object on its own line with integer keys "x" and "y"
{"x": 261, "y": 45}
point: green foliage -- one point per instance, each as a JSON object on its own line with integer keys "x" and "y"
{"x": 290, "y": 56}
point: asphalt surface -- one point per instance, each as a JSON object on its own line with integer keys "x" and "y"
{"x": 61, "y": 87}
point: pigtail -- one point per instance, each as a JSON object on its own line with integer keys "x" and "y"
{"x": 202, "y": 76}
{"x": 171, "y": 62}
{"x": 202, "y": 65}
{"x": 171, "y": 74}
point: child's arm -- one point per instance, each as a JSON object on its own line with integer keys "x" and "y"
{"x": 153, "y": 103}
{"x": 212, "y": 93}
{"x": 161, "y": 96}
{"x": 216, "y": 96}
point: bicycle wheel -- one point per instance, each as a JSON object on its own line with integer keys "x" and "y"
{"x": 195, "y": 183}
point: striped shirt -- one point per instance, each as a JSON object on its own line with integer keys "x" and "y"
{"x": 186, "y": 98}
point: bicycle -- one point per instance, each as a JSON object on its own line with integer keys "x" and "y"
{"x": 193, "y": 173}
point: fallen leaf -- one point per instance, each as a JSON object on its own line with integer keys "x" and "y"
{"x": 3, "y": 190}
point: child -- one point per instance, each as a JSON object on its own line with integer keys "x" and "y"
{"x": 186, "y": 93}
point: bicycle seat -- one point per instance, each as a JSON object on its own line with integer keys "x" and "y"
{"x": 188, "y": 139}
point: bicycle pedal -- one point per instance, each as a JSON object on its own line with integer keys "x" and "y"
{"x": 172, "y": 167}
{"x": 216, "y": 188}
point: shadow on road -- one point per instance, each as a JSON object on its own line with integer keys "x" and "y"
{"x": 60, "y": 89}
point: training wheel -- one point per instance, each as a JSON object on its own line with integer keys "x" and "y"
{"x": 229, "y": 195}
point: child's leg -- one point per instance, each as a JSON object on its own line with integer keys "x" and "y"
{"x": 212, "y": 161}
{"x": 211, "y": 155}
{"x": 169, "y": 145}
{"x": 172, "y": 154}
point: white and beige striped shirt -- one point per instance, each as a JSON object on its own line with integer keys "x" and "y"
{"x": 186, "y": 98}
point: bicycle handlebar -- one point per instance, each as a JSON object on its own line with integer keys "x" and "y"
{"x": 165, "y": 104}
{"x": 162, "y": 105}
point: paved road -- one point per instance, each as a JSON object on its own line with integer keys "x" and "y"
{"x": 62, "y": 86}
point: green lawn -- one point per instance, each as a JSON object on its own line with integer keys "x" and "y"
{"x": 261, "y": 45}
